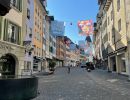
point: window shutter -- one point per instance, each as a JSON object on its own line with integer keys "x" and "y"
{"x": 0, "y": 27}
{"x": 19, "y": 35}
{"x": 6, "y": 22}
{"x": 20, "y": 5}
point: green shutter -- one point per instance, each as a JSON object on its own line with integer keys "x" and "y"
{"x": 19, "y": 36}
{"x": 20, "y": 5}
{"x": 0, "y": 26}
{"x": 6, "y": 22}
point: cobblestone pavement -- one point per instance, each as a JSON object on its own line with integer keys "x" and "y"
{"x": 83, "y": 85}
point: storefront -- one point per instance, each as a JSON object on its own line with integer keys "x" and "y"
{"x": 112, "y": 62}
{"x": 37, "y": 64}
{"x": 11, "y": 58}
{"x": 122, "y": 68}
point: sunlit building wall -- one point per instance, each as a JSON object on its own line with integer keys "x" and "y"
{"x": 12, "y": 31}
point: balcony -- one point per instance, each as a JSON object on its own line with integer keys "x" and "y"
{"x": 107, "y": 4}
{"x": 100, "y": 2}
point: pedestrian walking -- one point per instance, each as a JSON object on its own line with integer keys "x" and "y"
{"x": 68, "y": 69}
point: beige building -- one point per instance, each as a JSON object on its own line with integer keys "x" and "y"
{"x": 127, "y": 15}
{"x": 117, "y": 37}
{"x": 11, "y": 39}
{"x": 114, "y": 33}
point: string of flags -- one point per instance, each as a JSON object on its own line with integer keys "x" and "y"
{"x": 85, "y": 28}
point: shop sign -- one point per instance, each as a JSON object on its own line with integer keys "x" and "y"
{"x": 3, "y": 60}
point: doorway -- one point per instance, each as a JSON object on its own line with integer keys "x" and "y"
{"x": 113, "y": 63}
{"x": 7, "y": 65}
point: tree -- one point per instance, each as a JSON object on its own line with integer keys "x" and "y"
{"x": 52, "y": 65}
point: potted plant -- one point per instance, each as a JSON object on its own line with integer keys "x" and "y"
{"x": 52, "y": 65}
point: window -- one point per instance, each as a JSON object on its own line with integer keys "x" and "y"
{"x": 26, "y": 28}
{"x": 36, "y": 9}
{"x": 119, "y": 25}
{"x": 108, "y": 20}
{"x": 113, "y": 35}
{"x": 118, "y": 5}
{"x": 28, "y": 13}
{"x": 54, "y": 44}
{"x": 27, "y": 65}
{"x": 34, "y": 50}
{"x": 38, "y": 13}
{"x": 30, "y": 32}
{"x": 111, "y": 15}
{"x": 29, "y": 53}
{"x": 28, "y": 1}
{"x": 109, "y": 37}
{"x": 14, "y": 3}
{"x": 13, "y": 34}
{"x": 17, "y": 4}
{"x": 44, "y": 41}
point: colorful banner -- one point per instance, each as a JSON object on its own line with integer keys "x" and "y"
{"x": 57, "y": 28}
{"x": 85, "y": 27}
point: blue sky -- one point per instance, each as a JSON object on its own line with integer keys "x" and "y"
{"x": 72, "y": 11}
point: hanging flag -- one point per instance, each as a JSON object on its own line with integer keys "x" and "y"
{"x": 85, "y": 27}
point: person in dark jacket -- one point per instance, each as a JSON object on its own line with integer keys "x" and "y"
{"x": 68, "y": 69}
{"x": 91, "y": 66}
{"x": 87, "y": 65}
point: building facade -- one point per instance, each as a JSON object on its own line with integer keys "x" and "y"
{"x": 12, "y": 31}
{"x": 48, "y": 20}
{"x": 113, "y": 30}
{"x": 60, "y": 51}
{"x": 38, "y": 53}
{"x": 28, "y": 61}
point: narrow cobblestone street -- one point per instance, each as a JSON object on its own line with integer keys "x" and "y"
{"x": 81, "y": 85}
